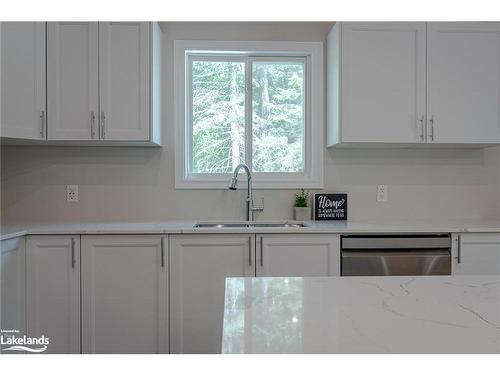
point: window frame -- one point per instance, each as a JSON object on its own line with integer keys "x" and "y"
{"x": 310, "y": 53}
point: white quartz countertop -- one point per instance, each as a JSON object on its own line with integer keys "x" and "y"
{"x": 426, "y": 314}
{"x": 177, "y": 227}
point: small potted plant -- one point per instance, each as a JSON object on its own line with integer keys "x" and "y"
{"x": 302, "y": 210}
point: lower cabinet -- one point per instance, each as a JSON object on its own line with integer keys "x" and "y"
{"x": 476, "y": 254}
{"x": 124, "y": 294}
{"x": 13, "y": 288}
{"x": 199, "y": 265}
{"x": 298, "y": 255}
{"x": 53, "y": 291}
{"x": 121, "y": 281}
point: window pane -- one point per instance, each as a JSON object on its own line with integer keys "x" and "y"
{"x": 278, "y": 116}
{"x": 218, "y": 116}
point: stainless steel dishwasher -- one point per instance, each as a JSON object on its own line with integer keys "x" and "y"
{"x": 396, "y": 255}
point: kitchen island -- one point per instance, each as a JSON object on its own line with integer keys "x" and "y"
{"x": 426, "y": 314}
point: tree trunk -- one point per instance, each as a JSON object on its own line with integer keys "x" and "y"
{"x": 265, "y": 95}
{"x": 233, "y": 118}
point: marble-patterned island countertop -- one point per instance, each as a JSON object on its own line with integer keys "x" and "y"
{"x": 425, "y": 314}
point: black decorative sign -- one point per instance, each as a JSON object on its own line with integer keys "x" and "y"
{"x": 330, "y": 206}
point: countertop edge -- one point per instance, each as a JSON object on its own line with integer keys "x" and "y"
{"x": 188, "y": 228}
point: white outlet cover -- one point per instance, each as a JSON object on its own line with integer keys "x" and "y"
{"x": 382, "y": 193}
{"x": 71, "y": 193}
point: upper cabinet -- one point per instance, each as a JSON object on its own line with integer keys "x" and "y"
{"x": 72, "y": 80}
{"x": 124, "y": 72}
{"x": 410, "y": 83}
{"x": 23, "y": 80}
{"x": 103, "y": 84}
{"x": 463, "y": 82}
{"x": 383, "y": 82}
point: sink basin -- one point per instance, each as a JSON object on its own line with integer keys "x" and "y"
{"x": 250, "y": 225}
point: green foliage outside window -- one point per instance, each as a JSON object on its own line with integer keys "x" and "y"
{"x": 219, "y": 118}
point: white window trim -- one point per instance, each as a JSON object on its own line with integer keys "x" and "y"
{"x": 313, "y": 175}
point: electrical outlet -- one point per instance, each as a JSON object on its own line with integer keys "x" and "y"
{"x": 382, "y": 193}
{"x": 71, "y": 193}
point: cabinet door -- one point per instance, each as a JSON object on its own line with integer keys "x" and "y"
{"x": 281, "y": 255}
{"x": 124, "y": 294}
{"x": 463, "y": 82}
{"x": 13, "y": 291}
{"x": 476, "y": 254}
{"x": 383, "y": 82}
{"x": 23, "y": 80}
{"x": 124, "y": 64}
{"x": 199, "y": 265}
{"x": 72, "y": 80}
{"x": 53, "y": 291}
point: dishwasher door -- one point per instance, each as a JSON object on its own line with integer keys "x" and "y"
{"x": 396, "y": 255}
{"x": 395, "y": 262}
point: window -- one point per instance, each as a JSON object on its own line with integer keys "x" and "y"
{"x": 258, "y": 108}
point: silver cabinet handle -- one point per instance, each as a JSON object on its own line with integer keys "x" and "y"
{"x": 162, "y": 252}
{"x": 431, "y": 121}
{"x": 92, "y": 124}
{"x": 103, "y": 125}
{"x": 261, "y": 251}
{"x": 250, "y": 251}
{"x": 421, "y": 121}
{"x": 73, "y": 259}
{"x": 459, "y": 250}
{"x": 42, "y": 124}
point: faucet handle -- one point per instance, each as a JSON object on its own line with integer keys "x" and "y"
{"x": 260, "y": 207}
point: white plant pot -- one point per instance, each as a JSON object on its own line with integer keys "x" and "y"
{"x": 302, "y": 213}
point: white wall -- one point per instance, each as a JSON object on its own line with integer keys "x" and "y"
{"x": 134, "y": 184}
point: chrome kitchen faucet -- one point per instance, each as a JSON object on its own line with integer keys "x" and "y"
{"x": 233, "y": 186}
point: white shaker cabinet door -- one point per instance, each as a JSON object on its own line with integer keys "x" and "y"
{"x": 124, "y": 76}
{"x": 476, "y": 254}
{"x": 199, "y": 265}
{"x": 72, "y": 80}
{"x": 383, "y": 82}
{"x": 124, "y": 294}
{"x": 463, "y": 82}
{"x": 53, "y": 291}
{"x": 23, "y": 105}
{"x": 299, "y": 255}
{"x": 13, "y": 284}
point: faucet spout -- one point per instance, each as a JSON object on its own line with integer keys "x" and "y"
{"x": 249, "y": 201}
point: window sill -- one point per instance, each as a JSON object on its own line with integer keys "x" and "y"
{"x": 256, "y": 184}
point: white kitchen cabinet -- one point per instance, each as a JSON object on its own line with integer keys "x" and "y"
{"x": 13, "y": 284}
{"x": 463, "y": 82}
{"x": 124, "y": 78}
{"x": 301, "y": 255}
{"x": 413, "y": 82}
{"x": 23, "y": 104}
{"x": 382, "y": 75}
{"x": 199, "y": 265}
{"x": 104, "y": 83}
{"x": 53, "y": 291}
{"x": 72, "y": 80}
{"x": 476, "y": 254}
{"x": 125, "y": 294}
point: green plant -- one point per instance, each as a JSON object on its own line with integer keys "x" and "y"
{"x": 301, "y": 198}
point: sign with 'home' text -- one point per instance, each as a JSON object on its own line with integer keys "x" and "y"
{"x": 330, "y": 206}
